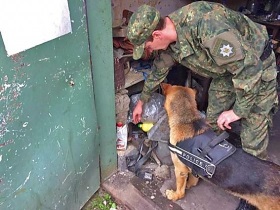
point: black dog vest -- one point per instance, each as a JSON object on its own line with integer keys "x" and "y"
{"x": 203, "y": 152}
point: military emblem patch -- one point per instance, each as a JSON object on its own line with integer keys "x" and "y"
{"x": 223, "y": 49}
{"x": 226, "y": 50}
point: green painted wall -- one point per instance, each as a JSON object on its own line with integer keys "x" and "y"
{"x": 51, "y": 125}
{"x": 101, "y": 46}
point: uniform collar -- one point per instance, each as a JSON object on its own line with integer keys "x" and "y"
{"x": 182, "y": 47}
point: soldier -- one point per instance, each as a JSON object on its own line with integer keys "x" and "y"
{"x": 218, "y": 43}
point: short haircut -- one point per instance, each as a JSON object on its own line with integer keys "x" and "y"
{"x": 159, "y": 26}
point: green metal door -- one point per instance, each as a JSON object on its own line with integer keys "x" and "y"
{"x": 49, "y": 128}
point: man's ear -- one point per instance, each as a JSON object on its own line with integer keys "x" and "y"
{"x": 157, "y": 34}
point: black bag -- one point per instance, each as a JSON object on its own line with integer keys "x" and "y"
{"x": 160, "y": 133}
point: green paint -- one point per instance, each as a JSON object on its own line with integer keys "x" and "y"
{"x": 101, "y": 47}
{"x": 49, "y": 118}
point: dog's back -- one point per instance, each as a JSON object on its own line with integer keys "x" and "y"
{"x": 252, "y": 179}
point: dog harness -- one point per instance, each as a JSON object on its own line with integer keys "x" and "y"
{"x": 203, "y": 152}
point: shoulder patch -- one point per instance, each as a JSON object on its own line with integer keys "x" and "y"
{"x": 224, "y": 48}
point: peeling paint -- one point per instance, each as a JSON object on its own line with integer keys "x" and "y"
{"x": 56, "y": 127}
{"x": 25, "y": 124}
{"x": 66, "y": 177}
{"x": 6, "y": 143}
{"x": 25, "y": 181}
{"x": 83, "y": 122}
{"x": 44, "y": 59}
{"x": 86, "y": 132}
{"x": 47, "y": 127}
{"x": 11, "y": 88}
{"x": 85, "y": 169}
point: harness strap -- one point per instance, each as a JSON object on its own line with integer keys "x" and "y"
{"x": 208, "y": 167}
{"x": 203, "y": 152}
{"x": 217, "y": 140}
{"x": 140, "y": 162}
{"x": 135, "y": 162}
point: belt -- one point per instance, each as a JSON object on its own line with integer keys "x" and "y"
{"x": 267, "y": 51}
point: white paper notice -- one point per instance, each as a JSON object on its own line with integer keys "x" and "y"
{"x": 28, "y": 23}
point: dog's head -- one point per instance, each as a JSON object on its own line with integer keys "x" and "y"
{"x": 184, "y": 119}
{"x": 179, "y": 98}
{"x": 169, "y": 89}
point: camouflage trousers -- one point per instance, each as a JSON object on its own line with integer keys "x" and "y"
{"x": 254, "y": 129}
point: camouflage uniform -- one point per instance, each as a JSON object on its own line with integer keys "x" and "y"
{"x": 220, "y": 43}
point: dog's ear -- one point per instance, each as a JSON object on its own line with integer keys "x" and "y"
{"x": 191, "y": 91}
{"x": 194, "y": 91}
{"x": 164, "y": 87}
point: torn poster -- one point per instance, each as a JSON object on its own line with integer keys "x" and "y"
{"x": 26, "y": 24}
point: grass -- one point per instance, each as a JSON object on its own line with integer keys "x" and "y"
{"x": 101, "y": 201}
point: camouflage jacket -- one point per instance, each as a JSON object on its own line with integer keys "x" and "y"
{"x": 214, "y": 41}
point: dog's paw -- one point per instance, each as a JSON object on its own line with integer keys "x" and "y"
{"x": 191, "y": 183}
{"x": 172, "y": 195}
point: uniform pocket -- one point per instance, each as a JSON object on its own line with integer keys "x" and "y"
{"x": 269, "y": 73}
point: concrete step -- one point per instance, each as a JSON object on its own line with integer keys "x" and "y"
{"x": 139, "y": 194}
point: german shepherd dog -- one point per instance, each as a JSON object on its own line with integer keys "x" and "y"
{"x": 242, "y": 175}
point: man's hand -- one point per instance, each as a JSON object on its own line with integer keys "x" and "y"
{"x": 137, "y": 112}
{"x": 226, "y": 118}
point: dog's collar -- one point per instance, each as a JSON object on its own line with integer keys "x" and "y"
{"x": 203, "y": 152}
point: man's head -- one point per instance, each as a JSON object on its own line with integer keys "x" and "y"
{"x": 141, "y": 25}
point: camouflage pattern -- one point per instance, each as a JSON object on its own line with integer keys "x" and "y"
{"x": 141, "y": 25}
{"x": 255, "y": 125}
{"x": 220, "y": 43}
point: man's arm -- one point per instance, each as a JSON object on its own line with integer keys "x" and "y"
{"x": 137, "y": 112}
{"x": 161, "y": 66}
{"x": 232, "y": 54}
{"x": 226, "y": 118}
